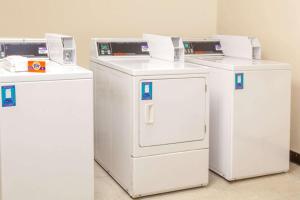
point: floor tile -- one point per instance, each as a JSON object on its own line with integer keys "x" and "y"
{"x": 284, "y": 186}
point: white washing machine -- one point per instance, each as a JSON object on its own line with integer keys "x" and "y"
{"x": 250, "y": 104}
{"x": 46, "y": 126}
{"x": 151, "y": 118}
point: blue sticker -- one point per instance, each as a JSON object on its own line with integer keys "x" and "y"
{"x": 146, "y": 90}
{"x": 8, "y": 95}
{"x": 239, "y": 81}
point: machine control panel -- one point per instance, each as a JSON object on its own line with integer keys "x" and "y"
{"x": 26, "y": 49}
{"x": 202, "y": 47}
{"x": 122, "y": 48}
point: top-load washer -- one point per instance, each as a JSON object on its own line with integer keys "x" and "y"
{"x": 46, "y": 125}
{"x": 151, "y": 117}
{"x": 249, "y": 107}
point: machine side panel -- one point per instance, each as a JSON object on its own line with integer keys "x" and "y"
{"x": 221, "y": 106}
{"x": 1, "y": 172}
{"x": 47, "y": 141}
{"x": 113, "y": 122}
{"x": 262, "y": 124}
{"x": 102, "y": 117}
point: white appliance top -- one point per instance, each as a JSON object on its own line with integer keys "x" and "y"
{"x": 209, "y": 52}
{"x": 231, "y": 63}
{"x": 54, "y": 71}
{"x": 149, "y": 66}
{"x": 131, "y": 56}
{"x": 35, "y": 49}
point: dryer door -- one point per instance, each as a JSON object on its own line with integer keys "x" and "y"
{"x": 172, "y": 111}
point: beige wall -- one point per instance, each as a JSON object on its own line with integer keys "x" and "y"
{"x": 106, "y": 18}
{"x": 277, "y": 24}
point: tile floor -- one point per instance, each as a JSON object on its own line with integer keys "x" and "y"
{"x": 277, "y": 187}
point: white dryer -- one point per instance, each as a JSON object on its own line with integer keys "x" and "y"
{"x": 249, "y": 110}
{"x": 151, "y": 118}
{"x": 46, "y": 126}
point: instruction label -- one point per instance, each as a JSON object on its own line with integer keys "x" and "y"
{"x": 239, "y": 81}
{"x": 145, "y": 48}
{"x": 146, "y": 90}
{"x": 8, "y": 94}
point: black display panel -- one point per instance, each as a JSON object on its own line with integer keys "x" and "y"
{"x": 23, "y": 49}
{"x": 122, "y": 48}
{"x": 202, "y": 47}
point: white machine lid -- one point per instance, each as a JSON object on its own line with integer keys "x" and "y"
{"x": 149, "y": 66}
{"x": 209, "y": 52}
{"x": 54, "y": 71}
{"x": 231, "y": 63}
{"x": 35, "y": 49}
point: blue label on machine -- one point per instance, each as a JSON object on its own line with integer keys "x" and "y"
{"x": 146, "y": 90}
{"x": 239, "y": 81}
{"x": 8, "y": 95}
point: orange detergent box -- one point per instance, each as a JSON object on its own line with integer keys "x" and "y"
{"x": 37, "y": 66}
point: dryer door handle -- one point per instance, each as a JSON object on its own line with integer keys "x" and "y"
{"x": 149, "y": 113}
